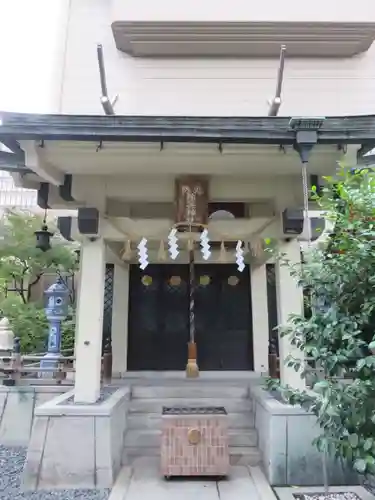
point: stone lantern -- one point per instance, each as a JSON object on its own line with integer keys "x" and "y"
{"x": 57, "y": 300}
{"x": 43, "y": 237}
{"x": 6, "y": 337}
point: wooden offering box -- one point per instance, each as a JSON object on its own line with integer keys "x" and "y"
{"x": 194, "y": 442}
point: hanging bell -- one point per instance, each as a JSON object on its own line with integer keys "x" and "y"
{"x": 43, "y": 237}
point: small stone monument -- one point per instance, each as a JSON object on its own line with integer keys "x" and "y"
{"x": 6, "y": 337}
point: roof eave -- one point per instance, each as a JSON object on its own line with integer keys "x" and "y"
{"x": 256, "y": 130}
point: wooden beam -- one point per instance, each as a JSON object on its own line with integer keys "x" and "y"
{"x": 34, "y": 160}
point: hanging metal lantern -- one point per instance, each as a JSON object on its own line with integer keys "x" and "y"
{"x": 43, "y": 237}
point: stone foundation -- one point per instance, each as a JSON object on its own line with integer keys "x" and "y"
{"x": 76, "y": 445}
{"x": 285, "y": 441}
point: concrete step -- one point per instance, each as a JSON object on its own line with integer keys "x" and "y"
{"x": 150, "y": 437}
{"x": 190, "y": 390}
{"x": 244, "y": 455}
{"x": 243, "y": 437}
{"x": 237, "y": 420}
{"x": 155, "y": 405}
{"x": 238, "y": 455}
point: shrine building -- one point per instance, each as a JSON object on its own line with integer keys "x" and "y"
{"x": 167, "y": 137}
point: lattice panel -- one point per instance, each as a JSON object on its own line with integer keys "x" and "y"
{"x": 108, "y": 303}
{"x": 272, "y": 309}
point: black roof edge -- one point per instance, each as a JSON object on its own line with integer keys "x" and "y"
{"x": 358, "y": 129}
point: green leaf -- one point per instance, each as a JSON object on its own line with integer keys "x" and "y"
{"x": 321, "y": 386}
{"x": 368, "y": 444}
{"x": 361, "y": 364}
{"x": 332, "y": 411}
{"x": 337, "y": 327}
{"x": 21, "y": 263}
{"x": 353, "y": 440}
{"x": 360, "y": 465}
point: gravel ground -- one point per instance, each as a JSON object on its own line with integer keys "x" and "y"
{"x": 331, "y": 496}
{"x": 11, "y": 465}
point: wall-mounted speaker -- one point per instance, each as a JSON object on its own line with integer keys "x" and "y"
{"x": 88, "y": 221}
{"x": 292, "y": 220}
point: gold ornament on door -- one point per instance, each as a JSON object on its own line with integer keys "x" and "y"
{"x": 233, "y": 280}
{"x": 175, "y": 281}
{"x": 204, "y": 280}
{"x": 146, "y": 280}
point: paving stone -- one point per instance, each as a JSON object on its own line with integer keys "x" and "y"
{"x": 239, "y": 486}
{"x": 147, "y": 483}
{"x": 15, "y": 427}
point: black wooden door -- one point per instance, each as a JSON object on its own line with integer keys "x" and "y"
{"x": 223, "y": 318}
{"x": 158, "y": 329}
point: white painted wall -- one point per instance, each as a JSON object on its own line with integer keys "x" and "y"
{"x": 203, "y": 86}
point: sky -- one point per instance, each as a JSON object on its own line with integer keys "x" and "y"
{"x": 27, "y": 46}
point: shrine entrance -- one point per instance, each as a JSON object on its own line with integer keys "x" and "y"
{"x": 158, "y": 329}
{"x": 158, "y": 324}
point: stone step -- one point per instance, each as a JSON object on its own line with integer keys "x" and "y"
{"x": 244, "y": 455}
{"x": 149, "y": 438}
{"x": 237, "y": 420}
{"x": 238, "y": 455}
{"x": 193, "y": 390}
{"x": 155, "y": 405}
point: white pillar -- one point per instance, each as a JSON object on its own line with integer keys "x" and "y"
{"x": 289, "y": 301}
{"x": 259, "y": 310}
{"x": 120, "y": 308}
{"x": 89, "y": 329}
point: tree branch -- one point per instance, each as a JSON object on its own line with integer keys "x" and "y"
{"x": 37, "y": 279}
{"x": 20, "y": 289}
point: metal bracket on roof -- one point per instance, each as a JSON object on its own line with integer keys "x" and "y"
{"x": 366, "y": 154}
{"x": 275, "y": 103}
{"x": 12, "y": 157}
{"x": 306, "y": 130}
{"x": 107, "y": 104}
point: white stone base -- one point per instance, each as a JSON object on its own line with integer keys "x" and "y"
{"x": 285, "y": 435}
{"x": 76, "y": 446}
